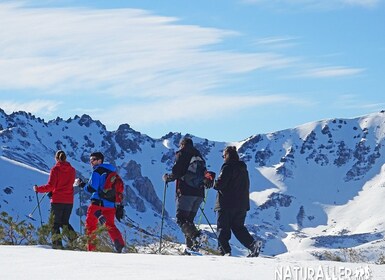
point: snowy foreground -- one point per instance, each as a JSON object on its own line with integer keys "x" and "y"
{"x": 36, "y": 262}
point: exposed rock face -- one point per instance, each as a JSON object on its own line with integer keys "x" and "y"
{"x": 349, "y": 150}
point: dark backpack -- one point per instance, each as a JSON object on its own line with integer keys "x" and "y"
{"x": 113, "y": 186}
{"x": 195, "y": 172}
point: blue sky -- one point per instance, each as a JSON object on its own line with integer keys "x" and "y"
{"x": 222, "y": 70}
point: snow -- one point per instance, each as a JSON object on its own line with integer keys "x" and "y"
{"x": 337, "y": 213}
{"x": 38, "y": 262}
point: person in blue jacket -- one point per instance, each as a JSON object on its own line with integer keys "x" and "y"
{"x": 100, "y": 210}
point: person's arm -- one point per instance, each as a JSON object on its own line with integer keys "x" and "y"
{"x": 52, "y": 181}
{"x": 93, "y": 183}
{"x": 224, "y": 178}
{"x": 181, "y": 164}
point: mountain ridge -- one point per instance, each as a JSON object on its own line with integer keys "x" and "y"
{"x": 297, "y": 175}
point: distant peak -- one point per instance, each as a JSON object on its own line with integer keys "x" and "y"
{"x": 86, "y": 120}
{"x": 124, "y": 127}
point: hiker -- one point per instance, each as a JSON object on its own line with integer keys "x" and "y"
{"x": 60, "y": 190}
{"x": 188, "y": 198}
{"x": 232, "y": 204}
{"x": 100, "y": 210}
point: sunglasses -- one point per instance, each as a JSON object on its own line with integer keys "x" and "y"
{"x": 93, "y": 159}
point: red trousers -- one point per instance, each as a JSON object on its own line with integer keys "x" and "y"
{"x": 92, "y": 224}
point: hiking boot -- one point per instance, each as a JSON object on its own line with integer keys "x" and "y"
{"x": 199, "y": 240}
{"x": 56, "y": 242}
{"x": 118, "y": 247}
{"x": 255, "y": 249}
{"x": 223, "y": 252}
{"x": 187, "y": 251}
{"x": 57, "y": 246}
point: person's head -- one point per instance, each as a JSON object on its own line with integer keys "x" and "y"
{"x": 60, "y": 156}
{"x": 96, "y": 158}
{"x": 185, "y": 142}
{"x": 230, "y": 154}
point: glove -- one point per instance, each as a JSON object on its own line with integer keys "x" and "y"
{"x": 89, "y": 189}
{"x": 35, "y": 188}
{"x": 208, "y": 181}
{"x": 98, "y": 214}
{"x": 49, "y": 195}
{"x": 79, "y": 183}
{"x": 167, "y": 178}
{"x": 119, "y": 214}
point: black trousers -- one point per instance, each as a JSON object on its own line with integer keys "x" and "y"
{"x": 62, "y": 213}
{"x": 231, "y": 220}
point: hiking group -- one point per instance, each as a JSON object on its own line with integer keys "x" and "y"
{"x": 232, "y": 201}
{"x": 105, "y": 188}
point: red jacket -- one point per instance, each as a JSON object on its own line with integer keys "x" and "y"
{"x": 60, "y": 183}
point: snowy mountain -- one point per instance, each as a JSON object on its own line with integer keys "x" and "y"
{"x": 315, "y": 187}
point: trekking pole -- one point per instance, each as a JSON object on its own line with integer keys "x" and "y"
{"x": 204, "y": 204}
{"x": 210, "y": 176}
{"x": 163, "y": 210}
{"x": 38, "y": 206}
{"x": 80, "y": 210}
{"x": 216, "y": 235}
{"x": 34, "y": 209}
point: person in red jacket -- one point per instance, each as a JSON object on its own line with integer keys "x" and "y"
{"x": 60, "y": 185}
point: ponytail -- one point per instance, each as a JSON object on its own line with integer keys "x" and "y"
{"x": 60, "y": 156}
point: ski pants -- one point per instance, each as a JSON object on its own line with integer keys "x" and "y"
{"x": 92, "y": 224}
{"x": 186, "y": 209}
{"x": 232, "y": 220}
{"x": 62, "y": 213}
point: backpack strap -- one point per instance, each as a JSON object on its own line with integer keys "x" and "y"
{"x": 101, "y": 170}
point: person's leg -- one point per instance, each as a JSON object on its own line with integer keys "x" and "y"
{"x": 195, "y": 203}
{"x": 243, "y": 235}
{"x": 237, "y": 226}
{"x": 200, "y": 237}
{"x": 224, "y": 232}
{"x": 189, "y": 242}
{"x": 113, "y": 231}
{"x": 185, "y": 216}
{"x": 57, "y": 212}
{"x": 70, "y": 232}
{"x": 91, "y": 226}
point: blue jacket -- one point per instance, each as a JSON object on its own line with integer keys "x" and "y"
{"x": 96, "y": 183}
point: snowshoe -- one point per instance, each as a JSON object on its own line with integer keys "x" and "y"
{"x": 255, "y": 249}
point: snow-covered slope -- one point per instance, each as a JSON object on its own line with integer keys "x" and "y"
{"x": 39, "y": 263}
{"x": 315, "y": 186}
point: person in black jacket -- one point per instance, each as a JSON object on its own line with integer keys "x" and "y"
{"x": 232, "y": 204}
{"x": 188, "y": 199}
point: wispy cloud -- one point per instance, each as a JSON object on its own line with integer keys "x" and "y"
{"x": 195, "y": 108}
{"x": 141, "y": 61}
{"x": 315, "y": 4}
{"x": 329, "y": 72}
{"x": 123, "y": 52}
{"x": 363, "y": 3}
{"x": 43, "y": 107}
{"x": 277, "y": 42}
{"x": 351, "y": 101}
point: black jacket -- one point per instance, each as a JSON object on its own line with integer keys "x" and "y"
{"x": 233, "y": 187}
{"x": 182, "y": 161}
